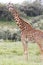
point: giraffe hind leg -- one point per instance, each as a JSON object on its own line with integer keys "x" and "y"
{"x": 41, "y": 51}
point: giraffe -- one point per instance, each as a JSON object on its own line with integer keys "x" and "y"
{"x": 27, "y": 32}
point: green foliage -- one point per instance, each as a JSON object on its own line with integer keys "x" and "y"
{"x": 9, "y": 31}
{"x": 25, "y": 9}
{"x": 32, "y": 9}
{"x": 37, "y": 22}
{"x": 4, "y": 13}
{"x": 7, "y": 34}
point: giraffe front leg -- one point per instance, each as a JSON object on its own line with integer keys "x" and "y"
{"x": 41, "y": 51}
{"x": 41, "y": 56}
{"x": 25, "y": 48}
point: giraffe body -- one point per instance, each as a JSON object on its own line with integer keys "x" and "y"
{"x": 27, "y": 32}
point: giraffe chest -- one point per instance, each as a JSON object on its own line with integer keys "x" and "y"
{"x": 27, "y": 36}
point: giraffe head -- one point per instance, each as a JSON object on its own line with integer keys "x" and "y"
{"x": 13, "y": 11}
{"x": 10, "y": 7}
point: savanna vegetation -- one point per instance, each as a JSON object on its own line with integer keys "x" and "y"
{"x": 11, "y": 50}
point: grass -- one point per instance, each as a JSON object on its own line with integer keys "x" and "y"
{"x": 11, "y": 53}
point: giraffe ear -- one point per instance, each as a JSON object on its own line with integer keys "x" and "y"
{"x": 8, "y": 5}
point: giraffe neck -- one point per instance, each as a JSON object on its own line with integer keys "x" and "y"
{"x": 21, "y": 23}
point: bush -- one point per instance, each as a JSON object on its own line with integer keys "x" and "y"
{"x": 9, "y": 35}
{"x": 32, "y": 9}
{"x": 4, "y": 13}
